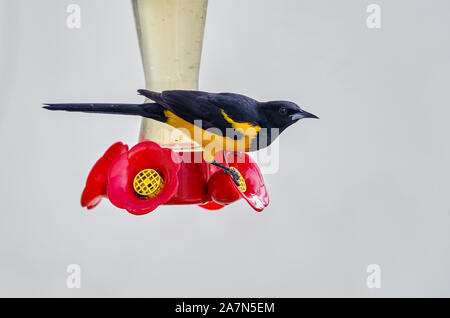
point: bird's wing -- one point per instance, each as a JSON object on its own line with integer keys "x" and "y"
{"x": 221, "y": 110}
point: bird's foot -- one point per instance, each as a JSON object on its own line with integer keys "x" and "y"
{"x": 235, "y": 176}
{"x": 233, "y": 173}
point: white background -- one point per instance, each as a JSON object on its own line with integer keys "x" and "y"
{"x": 367, "y": 183}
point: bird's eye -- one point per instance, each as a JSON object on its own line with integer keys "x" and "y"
{"x": 283, "y": 111}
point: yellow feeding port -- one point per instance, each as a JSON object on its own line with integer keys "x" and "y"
{"x": 148, "y": 183}
{"x": 242, "y": 185}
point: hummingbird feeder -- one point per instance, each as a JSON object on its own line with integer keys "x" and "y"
{"x": 166, "y": 166}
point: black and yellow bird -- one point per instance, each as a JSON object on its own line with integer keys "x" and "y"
{"x": 227, "y": 121}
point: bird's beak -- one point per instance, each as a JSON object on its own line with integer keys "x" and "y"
{"x": 302, "y": 114}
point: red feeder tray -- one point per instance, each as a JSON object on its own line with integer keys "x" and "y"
{"x": 146, "y": 176}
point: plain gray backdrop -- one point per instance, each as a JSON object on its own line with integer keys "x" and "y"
{"x": 366, "y": 184}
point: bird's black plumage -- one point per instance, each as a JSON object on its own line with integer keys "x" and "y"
{"x": 248, "y": 123}
{"x": 206, "y": 107}
{"x": 228, "y": 113}
{"x": 148, "y": 110}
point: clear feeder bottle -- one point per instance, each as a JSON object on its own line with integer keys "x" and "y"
{"x": 170, "y": 34}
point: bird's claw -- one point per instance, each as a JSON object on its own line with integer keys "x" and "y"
{"x": 228, "y": 171}
{"x": 235, "y": 175}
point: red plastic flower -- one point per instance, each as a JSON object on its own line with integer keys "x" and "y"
{"x": 123, "y": 170}
{"x": 224, "y": 191}
{"x": 120, "y": 172}
{"x": 97, "y": 180}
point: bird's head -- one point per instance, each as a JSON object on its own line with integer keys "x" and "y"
{"x": 282, "y": 114}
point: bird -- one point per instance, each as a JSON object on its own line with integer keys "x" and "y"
{"x": 216, "y": 121}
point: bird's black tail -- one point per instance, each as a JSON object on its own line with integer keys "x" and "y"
{"x": 149, "y": 110}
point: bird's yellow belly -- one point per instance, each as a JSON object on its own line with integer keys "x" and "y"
{"x": 213, "y": 142}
